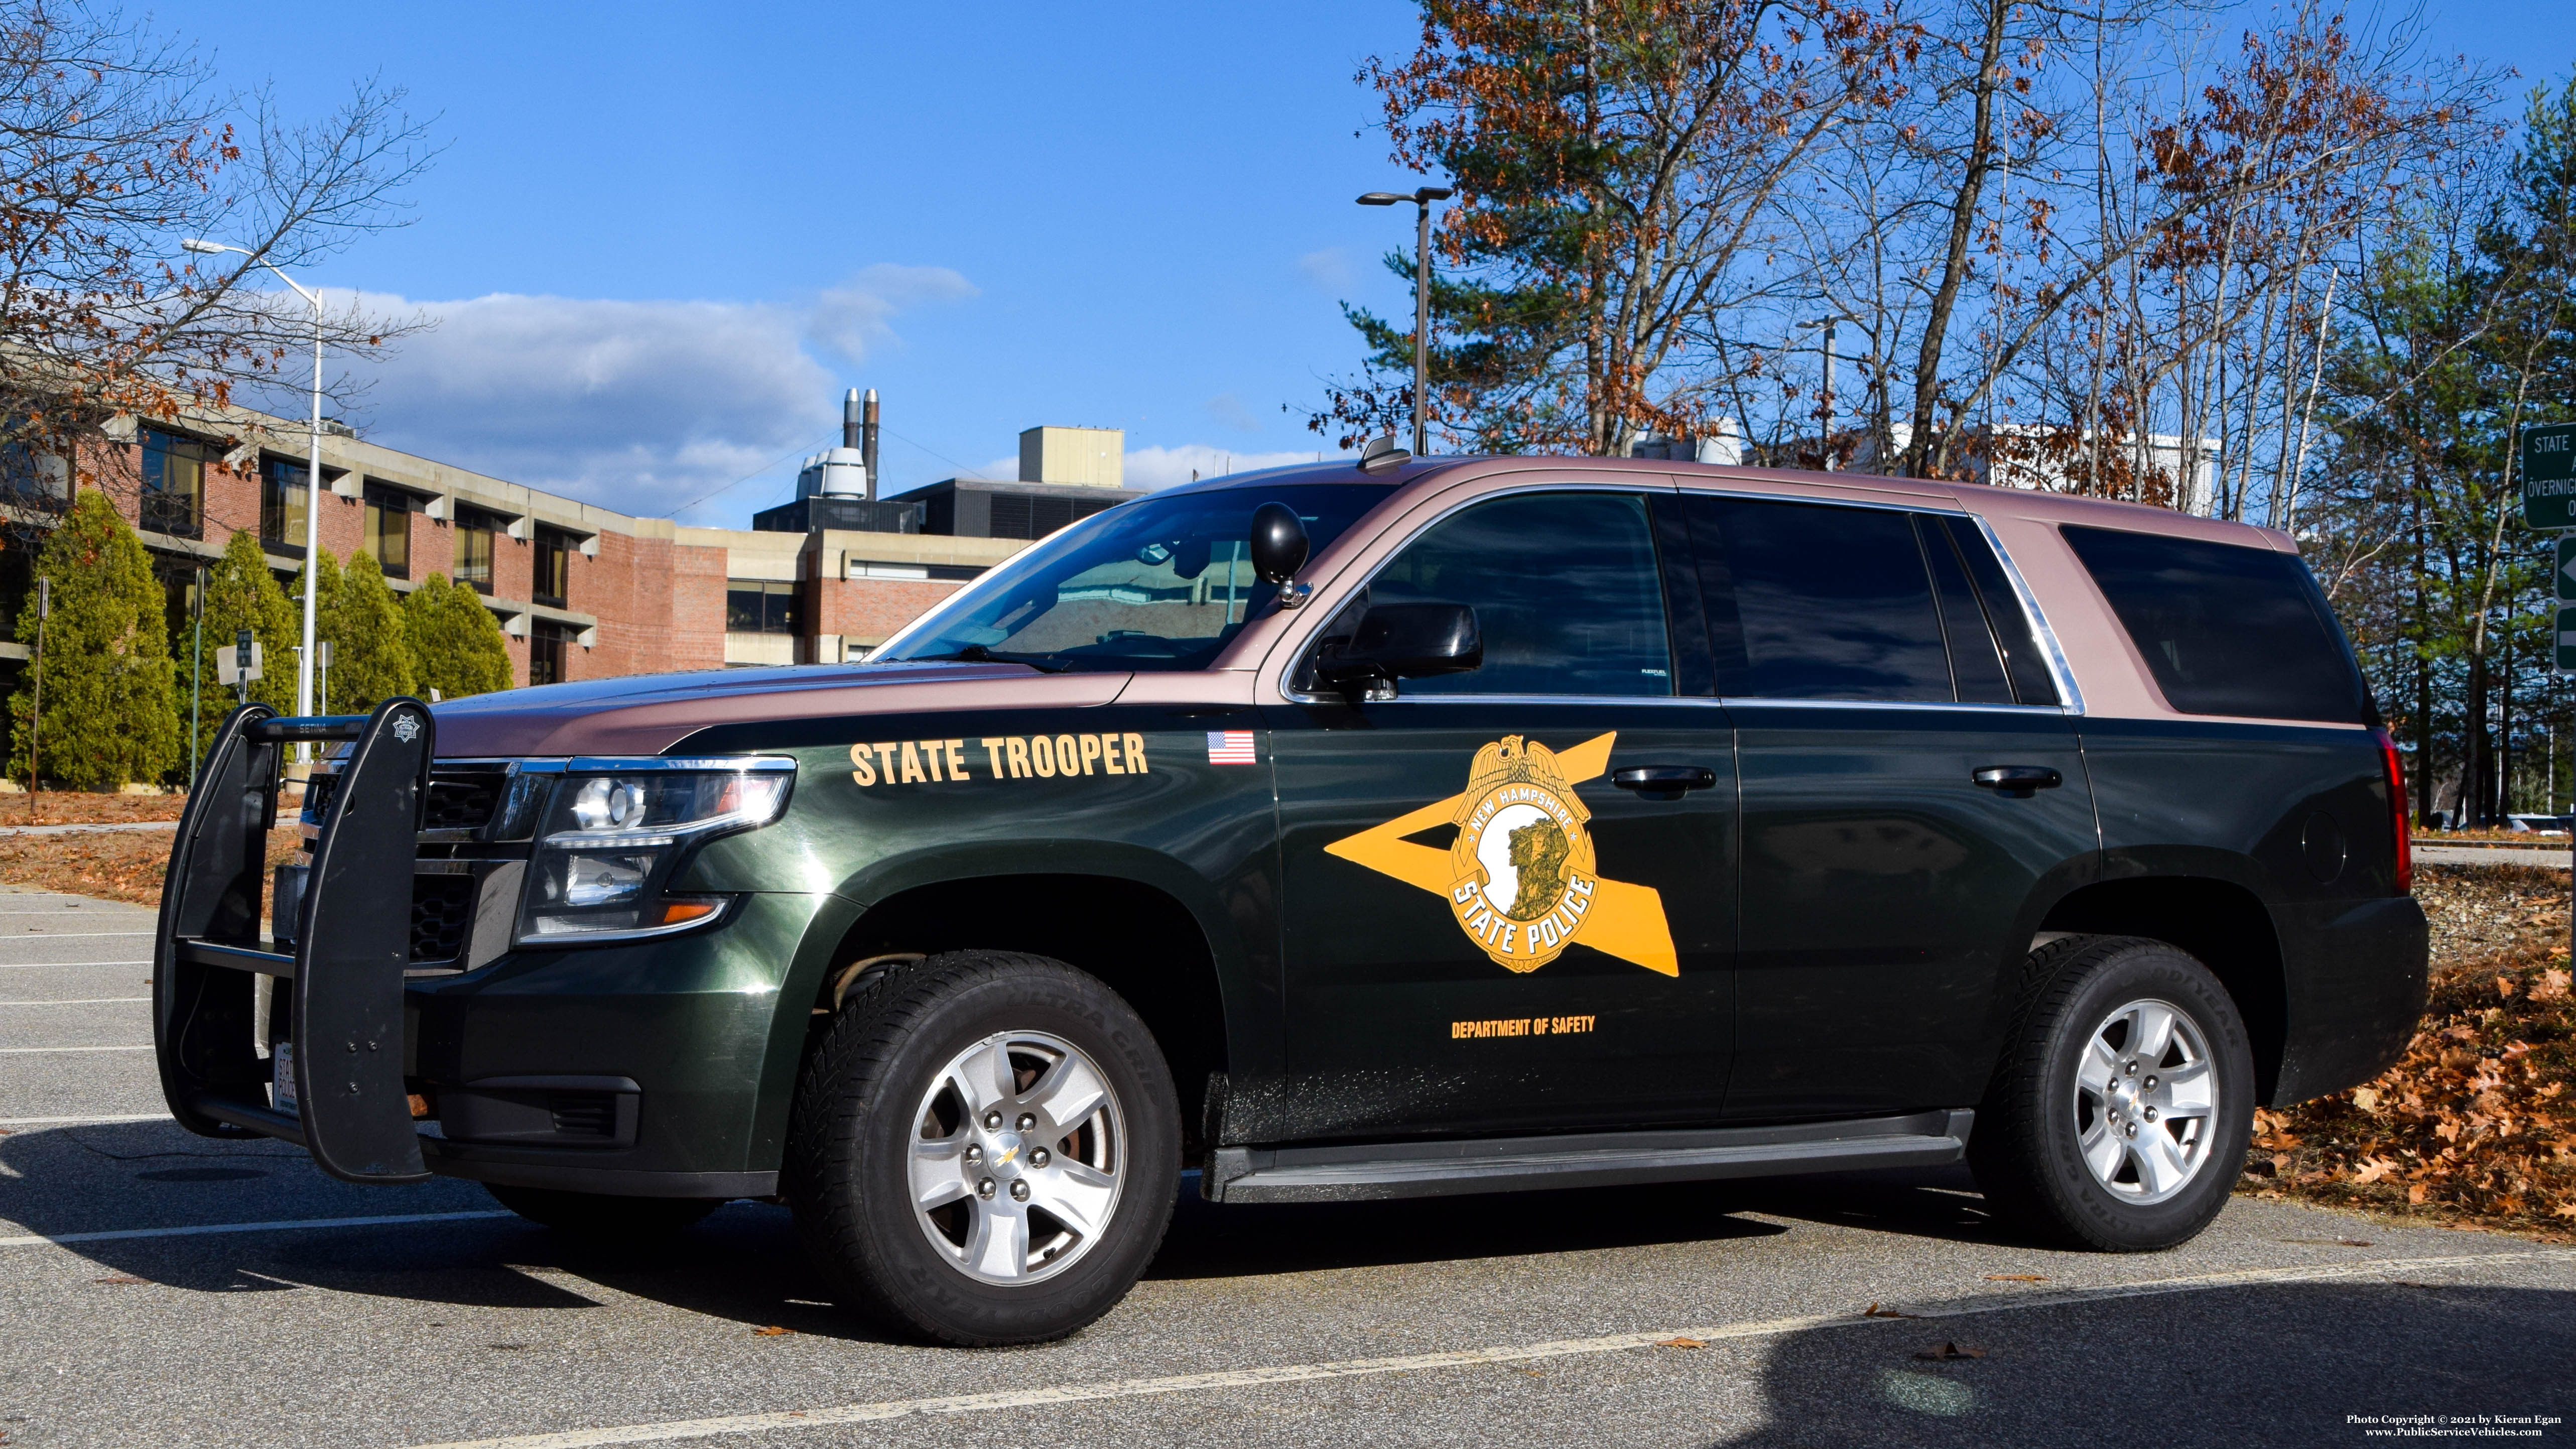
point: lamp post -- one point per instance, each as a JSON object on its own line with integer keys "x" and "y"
{"x": 312, "y": 479}
{"x": 1421, "y": 200}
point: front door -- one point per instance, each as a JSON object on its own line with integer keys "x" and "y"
{"x": 1912, "y": 798}
{"x": 1483, "y": 931}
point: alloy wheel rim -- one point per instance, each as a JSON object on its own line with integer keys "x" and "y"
{"x": 2146, "y": 1102}
{"x": 1018, "y": 1157}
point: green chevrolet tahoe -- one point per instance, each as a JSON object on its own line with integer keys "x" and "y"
{"x": 1431, "y": 826}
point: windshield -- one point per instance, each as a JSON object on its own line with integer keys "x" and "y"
{"x": 1161, "y": 583}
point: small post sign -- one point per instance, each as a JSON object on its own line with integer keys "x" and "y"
{"x": 2549, "y": 476}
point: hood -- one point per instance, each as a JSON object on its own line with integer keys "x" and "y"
{"x": 645, "y": 714}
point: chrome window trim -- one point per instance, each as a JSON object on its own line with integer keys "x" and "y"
{"x": 1323, "y": 620}
{"x": 2058, "y": 669}
{"x": 1953, "y": 706}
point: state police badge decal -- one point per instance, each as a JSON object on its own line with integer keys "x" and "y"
{"x": 1520, "y": 875}
{"x": 1524, "y": 873}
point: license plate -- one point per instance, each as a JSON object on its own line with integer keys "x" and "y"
{"x": 283, "y": 1091}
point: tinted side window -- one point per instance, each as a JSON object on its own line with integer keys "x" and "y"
{"x": 2032, "y": 683}
{"x": 1564, "y": 588}
{"x": 2226, "y": 629}
{"x": 1814, "y": 601}
{"x": 1975, "y": 659}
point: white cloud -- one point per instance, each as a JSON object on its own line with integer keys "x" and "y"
{"x": 637, "y": 406}
{"x": 1164, "y": 467}
{"x": 1228, "y": 409}
{"x": 1329, "y": 270}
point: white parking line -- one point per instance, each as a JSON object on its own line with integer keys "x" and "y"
{"x": 82, "y": 1001}
{"x": 1411, "y": 1363}
{"x": 32, "y": 934}
{"x": 39, "y": 1051}
{"x": 44, "y": 965}
{"x": 206, "y": 1229}
{"x": 80, "y": 1121}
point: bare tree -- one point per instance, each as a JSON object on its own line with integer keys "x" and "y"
{"x": 115, "y": 147}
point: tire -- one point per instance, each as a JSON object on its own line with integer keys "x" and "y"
{"x": 2088, "y": 1142}
{"x": 1031, "y": 1234}
{"x": 603, "y": 1217}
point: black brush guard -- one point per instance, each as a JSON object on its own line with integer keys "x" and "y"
{"x": 344, "y": 968}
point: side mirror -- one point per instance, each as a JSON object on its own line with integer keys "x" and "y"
{"x": 1404, "y": 641}
{"x": 1279, "y": 543}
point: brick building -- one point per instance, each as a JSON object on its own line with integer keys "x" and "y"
{"x": 581, "y": 592}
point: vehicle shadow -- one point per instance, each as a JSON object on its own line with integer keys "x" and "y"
{"x": 2273, "y": 1364}
{"x": 1247, "y": 1240}
{"x": 744, "y": 1265}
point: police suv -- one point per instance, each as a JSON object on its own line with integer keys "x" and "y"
{"x": 1428, "y": 826}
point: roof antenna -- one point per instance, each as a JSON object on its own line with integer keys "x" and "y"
{"x": 1381, "y": 453}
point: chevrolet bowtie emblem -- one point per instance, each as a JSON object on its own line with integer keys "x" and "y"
{"x": 1520, "y": 876}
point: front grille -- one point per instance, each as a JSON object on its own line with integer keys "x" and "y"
{"x": 460, "y": 800}
{"x": 317, "y": 796}
{"x": 583, "y": 1114}
{"x": 442, "y": 911}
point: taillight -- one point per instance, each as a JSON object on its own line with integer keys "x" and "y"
{"x": 2397, "y": 818}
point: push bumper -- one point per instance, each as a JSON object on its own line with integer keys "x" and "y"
{"x": 343, "y": 979}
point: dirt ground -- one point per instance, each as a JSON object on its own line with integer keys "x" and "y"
{"x": 61, "y": 807}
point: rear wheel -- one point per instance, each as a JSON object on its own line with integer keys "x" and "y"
{"x": 985, "y": 1148}
{"x": 603, "y": 1217}
{"x": 2119, "y": 1114}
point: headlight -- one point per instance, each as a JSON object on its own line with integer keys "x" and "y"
{"x": 615, "y": 837}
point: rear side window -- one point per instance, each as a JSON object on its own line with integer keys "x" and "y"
{"x": 1813, "y": 601}
{"x": 2013, "y": 635}
{"x": 2226, "y": 629}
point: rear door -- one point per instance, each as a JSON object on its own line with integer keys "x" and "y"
{"x": 1483, "y": 932}
{"x": 1885, "y": 890}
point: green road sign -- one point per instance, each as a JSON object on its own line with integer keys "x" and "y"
{"x": 2565, "y": 577}
{"x": 2549, "y": 476}
{"x": 2566, "y": 650}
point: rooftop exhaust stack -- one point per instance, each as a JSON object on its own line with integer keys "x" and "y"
{"x": 845, "y": 471}
{"x": 868, "y": 442}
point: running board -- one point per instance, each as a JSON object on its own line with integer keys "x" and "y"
{"x": 1600, "y": 1159}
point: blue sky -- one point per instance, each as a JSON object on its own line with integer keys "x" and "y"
{"x": 662, "y": 239}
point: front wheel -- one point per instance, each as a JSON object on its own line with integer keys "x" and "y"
{"x": 985, "y": 1148}
{"x": 2119, "y": 1115}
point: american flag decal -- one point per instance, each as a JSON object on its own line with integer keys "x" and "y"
{"x": 1232, "y": 747}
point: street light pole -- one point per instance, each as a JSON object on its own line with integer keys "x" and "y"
{"x": 312, "y": 479}
{"x": 1421, "y": 199}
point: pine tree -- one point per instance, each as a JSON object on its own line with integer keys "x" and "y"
{"x": 456, "y": 644}
{"x": 370, "y": 648}
{"x": 108, "y": 705}
{"x": 241, "y": 593}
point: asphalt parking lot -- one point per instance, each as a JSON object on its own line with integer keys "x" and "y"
{"x": 161, "y": 1289}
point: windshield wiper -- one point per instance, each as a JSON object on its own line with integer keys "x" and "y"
{"x": 978, "y": 654}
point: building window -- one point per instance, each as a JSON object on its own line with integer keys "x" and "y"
{"x": 389, "y": 529}
{"x": 553, "y": 581}
{"x": 475, "y": 531}
{"x": 174, "y": 483}
{"x": 546, "y": 641}
{"x": 284, "y": 486}
{"x": 759, "y": 606}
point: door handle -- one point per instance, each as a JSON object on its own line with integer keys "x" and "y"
{"x": 2016, "y": 782}
{"x": 1662, "y": 782}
